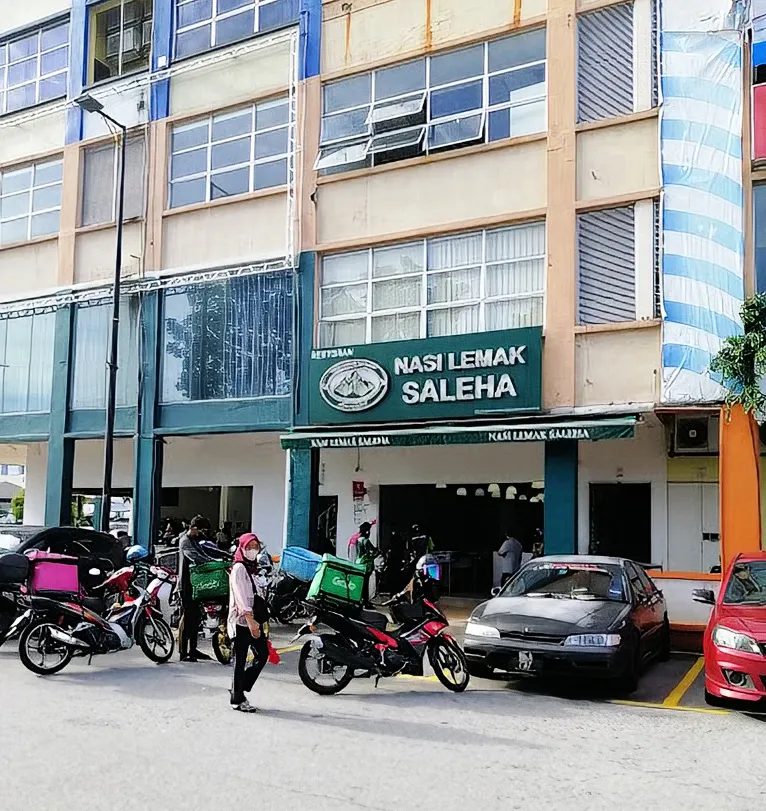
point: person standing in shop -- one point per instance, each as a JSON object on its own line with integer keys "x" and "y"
{"x": 190, "y": 553}
{"x": 511, "y": 552}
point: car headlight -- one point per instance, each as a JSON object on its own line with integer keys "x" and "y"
{"x": 473, "y": 628}
{"x": 593, "y": 641}
{"x": 726, "y": 638}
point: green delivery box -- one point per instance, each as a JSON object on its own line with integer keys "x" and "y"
{"x": 337, "y": 580}
{"x": 210, "y": 580}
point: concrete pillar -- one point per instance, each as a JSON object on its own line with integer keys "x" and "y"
{"x": 301, "y": 498}
{"x": 561, "y": 498}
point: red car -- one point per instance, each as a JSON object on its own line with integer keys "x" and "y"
{"x": 735, "y": 638}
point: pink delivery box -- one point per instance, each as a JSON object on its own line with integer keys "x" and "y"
{"x": 51, "y": 572}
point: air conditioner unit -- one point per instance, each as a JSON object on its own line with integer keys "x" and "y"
{"x": 696, "y": 435}
{"x": 113, "y": 45}
{"x": 131, "y": 40}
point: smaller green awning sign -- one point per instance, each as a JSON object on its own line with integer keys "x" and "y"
{"x": 588, "y": 431}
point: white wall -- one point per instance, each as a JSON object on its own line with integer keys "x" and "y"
{"x": 125, "y": 100}
{"x": 678, "y": 596}
{"x": 89, "y": 464}
{"x": 36, "y": 474}
{"x": 22, "y": 15}
{"x": 456, "y": 464}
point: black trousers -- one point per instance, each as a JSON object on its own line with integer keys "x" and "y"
{"x": 246, "y": 675}
{"x": 190, "y": 622}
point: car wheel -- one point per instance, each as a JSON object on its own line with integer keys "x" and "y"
{"x": 480, "y": 671}
{"x": 629, "y": 681}
{"x": 663, "y": 655}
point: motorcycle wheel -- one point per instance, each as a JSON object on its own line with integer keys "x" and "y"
{"x": 36, "y": 646}
{"x": 222, "y": 647}
{"x": 156, "y": 640}
{"x": 449, "y": 664}
{"x": 313, "y": 665}
{"x": 285, "y": 611}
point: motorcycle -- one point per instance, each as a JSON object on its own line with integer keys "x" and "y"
{"x": 57, "y": 631}
{"x": 361, "y": 646}
{"x": 286, "y": 598}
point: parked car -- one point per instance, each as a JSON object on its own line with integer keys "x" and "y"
{"x": 735, "y": 637}
{"x": 597, "y": 617}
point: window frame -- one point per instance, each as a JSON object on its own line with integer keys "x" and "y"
{"x": 33, "y": 187}
{"x": 209, "y": 172}
{"x": 100, "y": 7}
{"x": 329, "y": 146}
{"x": 32, "y": 362}
{"x": 6, "y": 42}
{"x": 424, "y": 308}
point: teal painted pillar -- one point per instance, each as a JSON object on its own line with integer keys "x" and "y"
{"x": 561, "y": 498}
{"x": 58, "y": 481}
{"x": 302, "y": 493}
{"x": 147, "y": 483}
{"x": 303, "y": 336}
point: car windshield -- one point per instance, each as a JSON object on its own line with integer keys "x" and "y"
{"x": 747, "y": 584}
{"x": 571, "y": 581}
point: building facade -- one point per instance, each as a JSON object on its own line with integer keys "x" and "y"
{"x": 460, "y": 264}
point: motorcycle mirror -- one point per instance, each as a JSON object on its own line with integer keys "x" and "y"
{"x": 94, "y": 572}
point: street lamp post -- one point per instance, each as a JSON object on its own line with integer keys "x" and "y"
{"x": 88, "y": 104}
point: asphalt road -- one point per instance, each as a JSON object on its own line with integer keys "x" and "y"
{"x": 124, "y": 733}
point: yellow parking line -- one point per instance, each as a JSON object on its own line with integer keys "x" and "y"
{"x": 680, "y": 690}
{"x": 289, "y": 649}
{"x": 416, "y": 678}
{"x": 653, "y": 706}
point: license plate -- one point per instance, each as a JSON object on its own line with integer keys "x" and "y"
{"x": 526, "y": 660}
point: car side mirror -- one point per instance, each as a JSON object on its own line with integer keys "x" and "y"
{"x": 706, "y": 596}
{"x": 495, "y": 591}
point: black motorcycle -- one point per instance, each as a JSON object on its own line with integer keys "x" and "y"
{"x": 360, "y": 645}
{"x": 286, "y": 598}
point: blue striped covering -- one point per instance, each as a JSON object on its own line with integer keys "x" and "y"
{"x": 702, "y": 207}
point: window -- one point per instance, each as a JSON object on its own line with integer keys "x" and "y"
{"x": 93, "y": 323}
{"x": 483, "y": 93}
{"x": 26, "y": 363}
{"x": 476, "y": 282}
{"x": 605, "y": 63}
{"x": 229, "y": 340}
{"x": 205, "y": 24}
{"x": 230, "y": 153}
{"x": 101, "y": 168}
{"x": 607, "y": 266}
{"x": 30, "y": 202}
{"x": 120, "y": 38}
{"x": 33, "y": 67}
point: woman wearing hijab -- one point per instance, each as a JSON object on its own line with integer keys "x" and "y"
{"x": 248, "y": 613}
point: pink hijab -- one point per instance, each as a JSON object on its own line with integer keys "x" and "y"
{"x": 244, "y": 540}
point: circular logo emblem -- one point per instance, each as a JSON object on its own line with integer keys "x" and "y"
{"x": 354, "y": 385}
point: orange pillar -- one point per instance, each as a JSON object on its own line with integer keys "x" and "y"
{"x": 740, "y": 489}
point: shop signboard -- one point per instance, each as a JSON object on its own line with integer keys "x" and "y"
{"x": 483, "y": 374}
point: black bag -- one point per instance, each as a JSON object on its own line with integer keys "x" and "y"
{"x": 260, "y": 606}
{"x": 14, "y": 568}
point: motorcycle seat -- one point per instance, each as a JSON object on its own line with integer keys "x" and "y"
{"x": 374, "y": 618}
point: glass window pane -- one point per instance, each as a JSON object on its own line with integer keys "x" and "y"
{"x": 232, "y": 29}
{"x": 193, "y": 41}
{"x": 347, "y": 93}
{"x": 343, "y": 333}
{"x": 279, "y": 13}
{"x": 47, "y": 197}
{"x": 396, "y": 294}
{"x": 90, "y": 341}
{"x": 3, "y": 60}
{"x": 20, "y": 97}
{"x": 517, "y": 85}
{"x": 454, "y": 252}
{"x": 343, "y": 300}
{"x": 229, "y": 153}
{"x": 397, "y": 140}
{"x": 515, "y": 278}
{"x": 21, "y": 48}
{"x": 456, "y": 65}
{"x": 453, "y": 321}
{"x": 53, "y": 37}
{"x": 513, "y": 314}
{"x": 22, "y": 72}
{"x": 53, "y": 87}
{"x": 456, "y": 285}
{"x": 17, "y": 364}
{"x": 516, "y": 243}
{"x": 97, "y": 186}
{"x": 194, "y": 11}
{"x": 528, "y": 119}
{"x": 135, "y": 177}
{"x": 499, "y": 126}
{"x": 400, "y": 79}
{"x": 272, "y": 143}
{"x": 53, "y": 60}
{"x": 517, "y": 50}
{"x": 395, "y": 327}
{"x": 48, "y": 173}
{"x": 189, "y": 135}
{"x": 457, "y": 131}
{"x": 268, "y": 175}
{"x": 232, "y": 124}
{"x": 232, "y": 5}
{"x": 344, "y": 267}
{"x": 186, "y": 192}
{"x": 181, "y": 347}
{"x": 459, "y": 99}
{"x": 14, "y": 231}
{"x": 44, "y": 224}
{"x": 272, "y": 114}
{"x": 188, "y": 163}
{"x": 41, "y": 362}
{"x": 397, "y": 260}
{"x": 14, "y": 205}
{"x": 226, "y": 184}
{"x": 18, "y": 180}
{"x": 344, "y": 125}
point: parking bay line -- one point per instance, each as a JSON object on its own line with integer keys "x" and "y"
{"x": 676, "y": 707}
{"x": 680, "y": 690}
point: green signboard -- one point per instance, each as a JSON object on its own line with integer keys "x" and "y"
{"x": 434, "y": 378}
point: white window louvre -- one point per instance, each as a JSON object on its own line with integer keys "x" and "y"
{"x": 341, "y": 155}
{"x": 397, "y": 140}
{"x": 390, "y": 110}
{"x": 458, "y": 130}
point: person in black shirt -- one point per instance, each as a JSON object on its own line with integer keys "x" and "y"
{"x": 190, "y": 553}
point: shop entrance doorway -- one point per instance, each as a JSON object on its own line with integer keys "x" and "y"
{"x": 467, "y": 524}
{"x": 621, "y": 521}
{"x": 217, "y": 504}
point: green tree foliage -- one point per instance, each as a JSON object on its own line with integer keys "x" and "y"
{"x": 17, "y": 506}
{"x": 741, "y": 361}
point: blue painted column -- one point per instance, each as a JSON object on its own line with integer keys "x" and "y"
{"x": 162, "y": 54}
{"x": 78, "y": 68}
{"x": 58, "y": 488}
{"x": 147, "y": 483}
{"x": 561, "y": 498}
{"x": 310, "y": 38}
{"x": 302, "y": 494}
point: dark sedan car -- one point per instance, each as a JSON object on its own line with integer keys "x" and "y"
{"x": 575, "y": 615}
